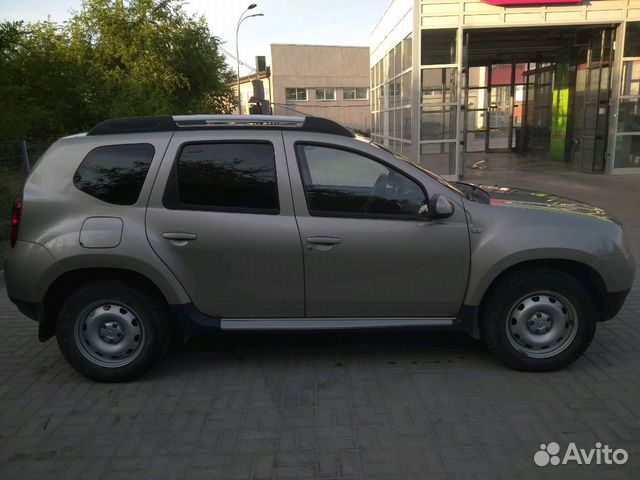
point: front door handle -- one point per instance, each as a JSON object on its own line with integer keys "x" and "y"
{"x": 324, "y": 240}
{"x": 180, "y": 236}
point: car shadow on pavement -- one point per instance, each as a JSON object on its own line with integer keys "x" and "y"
{"x": 342, "y": 348}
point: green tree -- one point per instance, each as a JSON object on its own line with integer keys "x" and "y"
{"x": 110, "y": 59}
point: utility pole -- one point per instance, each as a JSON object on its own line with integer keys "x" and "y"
{"x": 240, "y": 20}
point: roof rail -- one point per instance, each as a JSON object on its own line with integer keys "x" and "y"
{"x": 168, "y": 123}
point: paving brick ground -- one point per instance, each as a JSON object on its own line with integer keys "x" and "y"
{"x": 331, "y": 406}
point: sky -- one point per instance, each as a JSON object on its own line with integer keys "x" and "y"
{"x": 326, "y": 22}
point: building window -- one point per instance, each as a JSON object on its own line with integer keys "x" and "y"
{"x": 115, "y": 173}
{"x": 438, "y": 47}
{"x": 627, "y": 153}
{"x": 406, "y": 53}
{"x": 296, "y": 94}
{"x": 632, "y": 40}
{"x": 439, "y": 85}
{"x": 226, "y": 177}
{"x": 325, "y": 94}
{"x": 439, "y": 157}
{"x": 355, "y": 93}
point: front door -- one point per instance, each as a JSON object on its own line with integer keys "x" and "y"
{"x": 366, "y": 251}
{"x": 221, "y": 218}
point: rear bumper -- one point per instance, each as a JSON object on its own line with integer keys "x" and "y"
{"x": 29, "y": 270}
{"x": 34, "y": 311}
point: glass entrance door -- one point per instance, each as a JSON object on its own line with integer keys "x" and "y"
{"x": 597, "y": 77}
{"x": 499, "y": 134}
{"x": 500, "y": 118}
{"x": 494, "y": 107}
{"x": 477, "y": 106}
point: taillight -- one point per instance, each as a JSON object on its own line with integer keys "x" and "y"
{"x": 15, "y": 221}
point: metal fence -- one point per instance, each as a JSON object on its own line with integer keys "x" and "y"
{"x": 12, "y": 154}
{"x": 13, "y": 169}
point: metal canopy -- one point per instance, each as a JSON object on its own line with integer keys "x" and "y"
{"x": 524, "y": 44}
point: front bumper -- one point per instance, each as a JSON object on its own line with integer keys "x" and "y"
{"x": 613, "y": 303}
{"x": 617, "y": 271}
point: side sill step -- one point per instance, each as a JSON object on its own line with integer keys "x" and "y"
{"x": 332, "y": 323}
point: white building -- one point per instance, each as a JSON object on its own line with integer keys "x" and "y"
{"x": 556, "y": 78}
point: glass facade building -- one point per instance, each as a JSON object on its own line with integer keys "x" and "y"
{"x": 450, "y": 78}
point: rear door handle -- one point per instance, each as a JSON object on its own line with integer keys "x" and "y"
{"x": 324, "y": 240}
{"x": 180, "y": 236}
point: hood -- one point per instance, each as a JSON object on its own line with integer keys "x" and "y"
{"x": 530, "y": 199}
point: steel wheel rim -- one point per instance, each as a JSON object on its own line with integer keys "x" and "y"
{"x": 109, "y": 334}
{"x": 542, "y": 324}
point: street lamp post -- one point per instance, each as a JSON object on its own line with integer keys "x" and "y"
{"x": 240, "y": 20}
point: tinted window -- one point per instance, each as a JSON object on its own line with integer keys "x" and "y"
{"x": 343, "y": 183}
{"x": 115, "y": 173}
{"x": 228, "y": 176}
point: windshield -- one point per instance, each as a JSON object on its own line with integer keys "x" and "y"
{"x": 435, "y": 176}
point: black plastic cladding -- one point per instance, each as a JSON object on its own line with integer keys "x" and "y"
{"x": 166, "y": 123}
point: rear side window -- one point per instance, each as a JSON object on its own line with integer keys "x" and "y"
{"x": 115, "y": 173}
{"x": 230, "y": 176}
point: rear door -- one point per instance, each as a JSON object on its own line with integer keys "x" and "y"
{"x": 367, "y": 253}
{"x": 221, "y": 218}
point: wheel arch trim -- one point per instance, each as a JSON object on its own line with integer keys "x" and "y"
{"x": 471, "y": 313}
{"x": 65, "y": 283}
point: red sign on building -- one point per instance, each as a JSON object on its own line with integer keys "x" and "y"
{"x": 510, "y": 3}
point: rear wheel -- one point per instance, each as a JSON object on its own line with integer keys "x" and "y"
{"x": 538, "y": 320}
{"x": 113, "y": 331}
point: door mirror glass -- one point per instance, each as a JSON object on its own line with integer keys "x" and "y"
{"x": 444, "y": 208}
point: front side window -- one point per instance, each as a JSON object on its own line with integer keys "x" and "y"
{"x": 296, "y": 94}
{"x": 115, "y": 173}
{"x": 237, "y": 177}
{"x": 355, "y": 93}
{"x": 342, "y": 183}
{"x": 325, "y": 93}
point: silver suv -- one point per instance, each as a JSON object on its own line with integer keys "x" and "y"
{"x": 147, "y": 229}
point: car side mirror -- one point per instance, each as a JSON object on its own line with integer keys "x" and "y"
{"x": 438, "y": 206}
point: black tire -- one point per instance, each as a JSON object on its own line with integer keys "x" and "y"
{"x": 145, "y": 315}
{"x": 516, "y": 295}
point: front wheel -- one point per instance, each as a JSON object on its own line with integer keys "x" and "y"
{"x": 113, "y": 331}
{"x": 538, "y": 320}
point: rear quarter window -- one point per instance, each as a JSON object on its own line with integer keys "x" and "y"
{"x": 115, "y": 173}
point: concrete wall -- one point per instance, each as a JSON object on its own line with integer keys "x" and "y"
{"x": 313, "y": 66}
